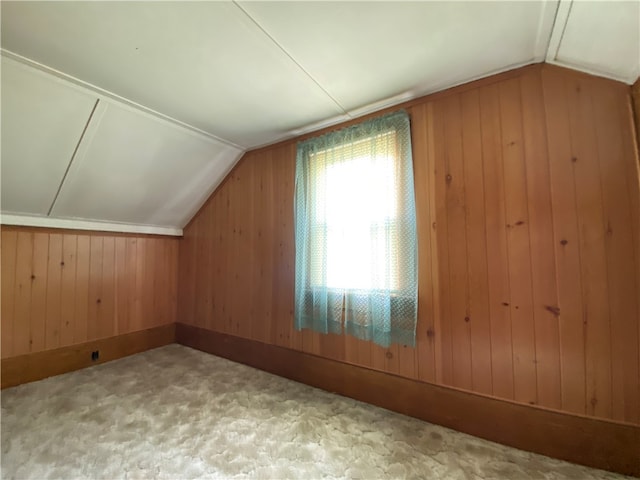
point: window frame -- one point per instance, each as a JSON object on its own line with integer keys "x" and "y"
{"x": 395, "y": 221}
{"x": 389, "y": 314}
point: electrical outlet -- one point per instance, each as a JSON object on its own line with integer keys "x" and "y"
{"x": 95, "y": 355}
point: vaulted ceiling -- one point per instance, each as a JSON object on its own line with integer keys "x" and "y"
{"x": 130, "y": 113}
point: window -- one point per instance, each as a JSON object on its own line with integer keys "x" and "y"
{"x": 356, "y": 249}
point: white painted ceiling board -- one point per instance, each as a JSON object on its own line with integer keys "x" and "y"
{"x": 247, "y": 74}
{"x": 42, "y": 121}
{"x": 137, "y": 169}
{"x": 602, "y": 37}
{"x": 204, "y": 63}
{"x": 362, "y": 52}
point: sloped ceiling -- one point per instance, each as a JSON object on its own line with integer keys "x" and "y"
{"x": 132, "y": 112}
{"x": 74, "y": 158}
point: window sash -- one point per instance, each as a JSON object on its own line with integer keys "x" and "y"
{"x": 332, "y": 162}
{"x": 382, "y": 311}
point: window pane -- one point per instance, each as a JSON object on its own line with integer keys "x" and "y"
{"x": 356, "y": 232}
{"x": 356, "y": 206}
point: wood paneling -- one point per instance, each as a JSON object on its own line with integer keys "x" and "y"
{"x": 37, "y": 326}
{"x": 596, "y": 443}
{"x": 62, "y": 288}
{"x": 424, "y": 366}
{"x": 528, "y": 224}
{"x": 454, "y": 215}
{"x": 38, "y": 365}
{"x": 497, "y": 253}
{"x": 8, "y": 248}
{"x": 596, "y": 247}
{"x": 543, "y": 272}
{"x": 477, "y": 266}
{"x": 68, "y": 296}
{"x": 81, "y": 313}
{"x": 518, "y": 247}
{"x": 635, "y": 108}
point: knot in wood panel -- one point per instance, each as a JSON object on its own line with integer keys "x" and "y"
{"x": 553, "y": 309}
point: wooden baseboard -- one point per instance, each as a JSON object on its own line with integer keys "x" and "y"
{"x": 587, "y": 441}
{"x": 36, "y": 366}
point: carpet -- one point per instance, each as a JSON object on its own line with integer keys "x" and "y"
{"x": 177, "y": 413}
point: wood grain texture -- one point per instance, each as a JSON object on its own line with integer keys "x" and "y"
{"x": 497, "y": 253}
{"x": 37, "y": 320}
{"x": 518, "y": 246}
{"x": 633, "y": 188}
{"x": 477, "y": 265}
{"x": 596, "y": 443}
{"x": 38, "y": 365}
{"x": 541, "y": 241}
{"x": 63, "y": 289}
{"x": 68, "y": 297}
{"x": 81, "y": 313}
{"x": 566, "y": 246}
{"x": 427, "y": 350}
{"x": 635, "y": 108}
{"x": 528, "y": 259}
{"x": 8, "y": 247}
{"x": 591, "y": 148}
{"x": 455, "y": 209}
{"x": 619, "y": 242}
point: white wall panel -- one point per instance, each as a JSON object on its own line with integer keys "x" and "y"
{"x": 138, "y": 169}
{"x": 42, "y": 121}
{"x": 363, "y": 52}
{"x": 204, "y": 63}
{"x": 603, "y": 38}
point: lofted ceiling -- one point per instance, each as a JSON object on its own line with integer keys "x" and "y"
{"x": 130, "y": 113}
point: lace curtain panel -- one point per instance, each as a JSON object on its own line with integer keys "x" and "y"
{"x": 356, "y": 240}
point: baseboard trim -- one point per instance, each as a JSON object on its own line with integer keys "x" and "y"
{"x": 36, "y": 366}
{"x": 596, "y": 443}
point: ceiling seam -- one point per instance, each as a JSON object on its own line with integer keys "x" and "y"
{"x": 543, "y": 52}
{"x": 564, "y": 27}
{"x": 73, "y": 157}
{"x": 111, "y": 96}
{"x": 553, "y": 26}
{"x": 254, "y": 21}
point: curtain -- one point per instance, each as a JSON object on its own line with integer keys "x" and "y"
{"x": 355, "y": 229}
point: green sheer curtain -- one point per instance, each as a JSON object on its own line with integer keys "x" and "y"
{"x": 356, "y": 240}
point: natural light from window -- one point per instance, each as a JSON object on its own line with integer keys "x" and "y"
{"x": 356, "y": 206}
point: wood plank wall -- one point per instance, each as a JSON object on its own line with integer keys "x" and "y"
{"x": 527, "y": 199}
{"x": 62, "y": 288}
{"x": 635, "y": 105}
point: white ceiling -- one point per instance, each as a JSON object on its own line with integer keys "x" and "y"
{"x": 169, "y": 171}
{"x": 71, "y": 155}
{"x": 184, "y": 87}
{"x": 36, "y": 145}
{"x": 600, "y": 38}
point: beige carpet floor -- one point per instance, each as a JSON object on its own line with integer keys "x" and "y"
{"x": 175, "y": 413}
